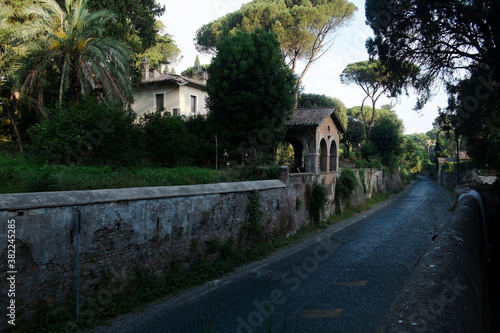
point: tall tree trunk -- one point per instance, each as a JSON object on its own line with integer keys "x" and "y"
{"x": 19, "y": 145}
{"x": 364, "y": 120}
{"x": 61, "y": 85}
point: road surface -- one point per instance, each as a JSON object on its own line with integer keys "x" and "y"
{"x": 341, "y": 279}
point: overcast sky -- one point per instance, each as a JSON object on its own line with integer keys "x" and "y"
{"x": 183, "y": 18}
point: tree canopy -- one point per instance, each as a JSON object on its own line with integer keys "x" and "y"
{"x": 69, "y": 43}
{"x": 305, "y": 29}
{"x": 354, "y": 135}
{"x": 387, "y": 138}
{"x": 249, "y": 68}
{"x": 455, "y": 41}
{"x": 135, "y": 21}
{"x": 437, "y": 36}
{"x": 367, "y": 75}
{"x": 164, "y": 51}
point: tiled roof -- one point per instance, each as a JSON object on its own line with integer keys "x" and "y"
{"x": 314, "y": 117}
{"x": 180, "y": 80}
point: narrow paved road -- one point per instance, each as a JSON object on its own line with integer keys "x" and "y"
{"x": 342, "y": 279}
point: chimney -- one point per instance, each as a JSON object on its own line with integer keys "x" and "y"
{"x": 155, "y": 73}
{"x": 145, "y": 69}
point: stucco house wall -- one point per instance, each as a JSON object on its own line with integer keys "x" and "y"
{"x": 178, "y": 93}
{"x": 185, "y": 93}
{"x": 145, "y": 97}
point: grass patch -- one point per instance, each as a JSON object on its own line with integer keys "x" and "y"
{"x": 19, "y": 174}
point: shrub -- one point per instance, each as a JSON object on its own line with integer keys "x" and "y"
{"x": 205, "y": 153}
{"x": 90, "y": 133}
{"x": 273, "y": 172}
{"x": 346, "y": 184}
{"x": 318, "y": 197}
{"x": 168, "y": 141}
{"x": 253, "y": 213}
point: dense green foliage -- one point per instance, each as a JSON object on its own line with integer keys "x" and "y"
{"x": 387, "y": 140}
{"x": 436, "y": 35}
{"x": 317, "y": 199}
{"x": 168, "y": 141}
{"x": 473, "y": 113}
{"x": 88, "y": 133}
{"x": 135, "y": 23}
{"x": 354, "y": 135}
{"x": 53, "y": 52}
{"x": 304, "y": 28}
{"x": 70, "y": 43}
{"x": 164, "y": 51}
{"x": 205, "y": 153}
{"x": 346, "y": 184}
{"x": 457, "y": 42}
{"x": 250, "y": 69}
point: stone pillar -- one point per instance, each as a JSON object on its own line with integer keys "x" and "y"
{"x": 311, "y": 161}
{"x": 284, "y": 174}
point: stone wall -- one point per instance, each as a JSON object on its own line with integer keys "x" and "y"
{"x": 122, "y": 230}
{"x": 448, "y": 291}
{"x": 141, "y": 228}
{"x": 370, "y": 181}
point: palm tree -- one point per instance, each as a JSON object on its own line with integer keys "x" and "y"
{"x": 68, "y": 43}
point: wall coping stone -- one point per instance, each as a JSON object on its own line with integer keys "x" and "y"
{"x": 447, "y": 291}
{"x": 23, "y": 201}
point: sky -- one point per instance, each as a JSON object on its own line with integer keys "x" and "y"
{"x": 183, "y": 18}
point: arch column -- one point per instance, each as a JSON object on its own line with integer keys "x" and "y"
{"x": 311, "y": 162}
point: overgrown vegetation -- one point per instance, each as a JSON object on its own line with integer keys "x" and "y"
{"x": 253, "y": 220}
{"x": 346, "y": 184}
{"x": 88, "y": 133}
{"x": 24, "y": 174}
{"x": 317, "y": 199}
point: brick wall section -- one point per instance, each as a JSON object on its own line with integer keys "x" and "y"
{"x": 448, "y": 289}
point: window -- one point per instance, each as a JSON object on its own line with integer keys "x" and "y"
{"x": 159, "y": 102}
{"x": 176, "y": 112}
{"x": 193, "y": 104}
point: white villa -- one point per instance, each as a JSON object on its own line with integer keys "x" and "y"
{"x": 179, "y": 95}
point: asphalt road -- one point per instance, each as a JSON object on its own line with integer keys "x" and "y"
{"x": 342, "y": 279}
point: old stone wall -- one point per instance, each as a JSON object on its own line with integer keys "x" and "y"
{"x": 123, "y": 230}
{"x": 448, "y": 290}
{"x": 370, "y": 181}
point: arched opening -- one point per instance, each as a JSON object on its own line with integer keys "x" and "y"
{"x": 334, "y": 156}
{"x": 323, "y": 158}
{"x": 291, "y": 153}
{"x": 285, "y": 154}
